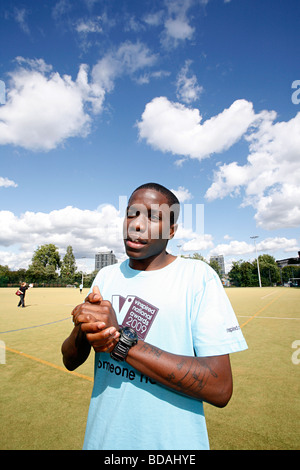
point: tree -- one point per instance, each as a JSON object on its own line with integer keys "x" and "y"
{"x": 269, "y": 271}
{"x": 213, "y": 264}
{"x": 88, "y": 278}
{"x": 243, "y": 274}
{"x": 199, "y": 256}
{"x": 36, "y": 273}
{"x": 68, "y": 267}
{"x": 47, "y": 255}
{"x": 290, "y": 272}
{"x": 247, "y": 277}
{"x": 4, "y": 275}
{"x": 45, "y": 263}
{"x": 235, "y": 274}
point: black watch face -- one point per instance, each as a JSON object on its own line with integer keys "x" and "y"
{"x": 129, "y": 333}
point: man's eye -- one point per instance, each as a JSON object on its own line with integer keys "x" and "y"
{"x": 133, "y": 213}
{"x": 154, "y": 217}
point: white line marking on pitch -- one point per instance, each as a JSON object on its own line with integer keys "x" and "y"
{"x": 271, "y": 293}
{"x": 274, "y": 318}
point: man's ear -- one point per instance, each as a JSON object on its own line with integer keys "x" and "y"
{"x": 173, "y": 229}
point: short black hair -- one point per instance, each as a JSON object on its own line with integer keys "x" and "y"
{"x": 171, "y": 198}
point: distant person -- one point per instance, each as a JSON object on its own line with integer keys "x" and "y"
{"x": 80, "y": 287}
{"x": 22, "y": 289}
{"x": 149, "y": 395}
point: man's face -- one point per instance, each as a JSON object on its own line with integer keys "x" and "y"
{"x": 147, "y": 224}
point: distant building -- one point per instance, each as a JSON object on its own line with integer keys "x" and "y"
{"x": 220, "y": 260}
{"x": 104, "y": 258}
{"x": 289, "y": 261}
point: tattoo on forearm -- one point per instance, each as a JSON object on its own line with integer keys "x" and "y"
{"x": 170, "y": 377}
{"x": 151, "y": 350}
{"x": 180, "y": 364}
{"x": 195, "y": 375}
{"x": 190, "y": 375}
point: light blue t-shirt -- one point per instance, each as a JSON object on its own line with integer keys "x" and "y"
{"x": 182, "y": 309}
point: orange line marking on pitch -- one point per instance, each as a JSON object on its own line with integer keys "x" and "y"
{"x": 262, "y": 309}
{"x": 42, "y": 361}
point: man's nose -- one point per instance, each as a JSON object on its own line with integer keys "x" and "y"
{"x": 138, "y": 224}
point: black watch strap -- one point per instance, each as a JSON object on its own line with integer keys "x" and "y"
{"x": 127, "y": 339}
{"x": 120, "y": 351}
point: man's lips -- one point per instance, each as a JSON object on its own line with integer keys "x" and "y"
{"x": 135, "y": 243}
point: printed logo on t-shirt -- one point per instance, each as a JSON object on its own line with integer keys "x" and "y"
{"x": 138, "y": 313}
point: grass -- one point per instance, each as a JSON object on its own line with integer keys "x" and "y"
{"x": 42, "y": 407}
{"x": 265, "y": 408}
{"x": 45, "y": 407}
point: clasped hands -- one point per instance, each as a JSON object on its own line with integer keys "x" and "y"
{"x": 97, "y": 319}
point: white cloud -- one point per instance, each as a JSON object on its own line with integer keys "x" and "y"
{"x": 233, "y": 248}
{"x": 228, "y": 179}
{"x": 20, "y": 15}
{"x": 175, "y": 16}
{"x": 134, "y": 56}
{"x": 43, "y": 108}
{"x": 270, "y": 178}
{"x": 177, "y": 26}
{"x": 269, "y": 181}
{"x": 279, "y": 244}
{"x": 182, "y": 194}
{"x": 279, "y": 208}
{"x": 188, "y": 89}
{"x": 34, "y": 64}
{"x": 147, "y": 76}
{"x": 269, "y": 245}
{"x": 92, "y": 25}
{"x": 60, "y": 9}
{"x": 15, "y": 260}
{"x": 198, "y": 243}
{"x": 6, "y": 183}
{"x": 90, "y": 231}
{"x": 90, "y": 3}
{"x": 172, "y": 127}
{"x": 128, "y": 59}
{"x": 154, "y": 19}
{"x": 86, "y": 231}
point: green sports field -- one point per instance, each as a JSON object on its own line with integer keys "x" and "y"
{"x": 45, "y": 407}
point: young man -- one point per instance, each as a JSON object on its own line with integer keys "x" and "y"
{"x": 162, "y": 329}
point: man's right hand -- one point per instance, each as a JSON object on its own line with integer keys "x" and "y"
{"x": 98, "y": 321}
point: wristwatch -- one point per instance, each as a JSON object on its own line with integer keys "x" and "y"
{"x": 127, "y": 339}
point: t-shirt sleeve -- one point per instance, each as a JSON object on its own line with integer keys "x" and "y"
{"x": 215, "y": 328}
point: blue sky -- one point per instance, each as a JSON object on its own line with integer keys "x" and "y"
{"x": 202, "y": 96}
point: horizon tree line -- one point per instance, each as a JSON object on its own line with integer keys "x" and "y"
{"x": 47, "y": 268}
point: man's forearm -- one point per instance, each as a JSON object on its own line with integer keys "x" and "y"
{"x": 75, "y": 349}
{"x": 204, "y": 378}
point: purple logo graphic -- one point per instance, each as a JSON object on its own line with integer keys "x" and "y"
{"x": 138, "y": 314}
